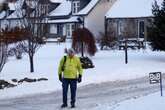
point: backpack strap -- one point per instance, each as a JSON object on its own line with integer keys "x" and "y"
{"x": 64, "y": 63}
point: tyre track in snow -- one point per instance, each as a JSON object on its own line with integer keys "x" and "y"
{"x": 90, "y": 97}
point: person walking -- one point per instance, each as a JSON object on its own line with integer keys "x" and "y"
{"x": 70, "y": 72}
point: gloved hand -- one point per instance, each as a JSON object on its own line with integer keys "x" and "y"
{"x": 79, "y": 79}
{"x": 60, "y": 77}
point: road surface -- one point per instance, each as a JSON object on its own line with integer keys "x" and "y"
{"x": 90, "y": 97}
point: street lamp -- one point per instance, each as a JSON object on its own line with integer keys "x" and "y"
{"x": 81, "y": 21}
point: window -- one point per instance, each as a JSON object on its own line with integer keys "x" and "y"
{"x": 69, "y": 29}
{"x": 141, "y": 27}
{"x": 75, "y": 7}
{"x": 119, "y": 28}
{"x": 60, "y": 29}
{"x": 43, "y": 9}
{"x": 53, "y": 29}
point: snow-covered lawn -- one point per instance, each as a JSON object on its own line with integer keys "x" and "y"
{"x": 150, "y": 102}
{"x": 109, "y": 66}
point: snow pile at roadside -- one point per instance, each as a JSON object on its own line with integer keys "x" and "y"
{"x": 150, "y": 102}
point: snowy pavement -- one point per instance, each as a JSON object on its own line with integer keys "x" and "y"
{"x": 103, "y": 96}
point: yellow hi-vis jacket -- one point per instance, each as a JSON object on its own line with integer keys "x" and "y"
{"x": 72, "y": 67}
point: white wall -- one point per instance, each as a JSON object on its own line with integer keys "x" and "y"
{"x": 64, "y": 30}
{"x": 3, "y": 24}
{"x": 53, "y": 29}
{"x": 94, "y": 21}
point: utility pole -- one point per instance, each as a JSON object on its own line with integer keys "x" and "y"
{"x": 81, "y": 21}
{"x": 126, "y": 46}
{"x": 126, "y": 51}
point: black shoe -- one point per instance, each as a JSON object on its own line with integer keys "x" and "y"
{"x": 64, "y": 105}
{"x": 73, "y": 106}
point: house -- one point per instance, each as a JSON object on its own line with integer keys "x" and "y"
{"x": 93, "y": 15}
{"x": 2, "y": 16}
{"x": 71, "y": 14}
{"x": 14, "y": 19}
{"x": 4, "y": 12}
{"x": 16, "y": 12}
{"x": 130, "y": 19}
{"x": 62, "y": 16}
{"x": 60, "y": 20}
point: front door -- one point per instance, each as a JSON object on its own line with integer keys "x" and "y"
{"x": 141, "y": 29}
{"x": 60, "y": 29}
{"x": 69, "y": 29}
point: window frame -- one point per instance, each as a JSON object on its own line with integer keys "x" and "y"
{"x": 75, "y": 6}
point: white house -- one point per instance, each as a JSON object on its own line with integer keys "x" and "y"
{"x": 14, "y": 15}
{"x": 93, "y": 15}
{"x": 61, "y": 23}
{"x": 71, "y": 14}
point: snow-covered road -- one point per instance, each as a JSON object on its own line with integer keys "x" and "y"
{"x": 91, "y": 97}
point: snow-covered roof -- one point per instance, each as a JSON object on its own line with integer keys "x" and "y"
{"x": 2, "y": 14}
{"x": 11, "y": 6}
{"x": 62, "y": 10}
{"x": 131, "y": 8}
{"x": 57, "y": 1}
{"x": 70, "y": 20}
{"x": 19, "y": 4}
{"x": 18, "y": 10}
{"x": 16, "y": 14}
{"x": 88, "y": 8}
{"x": 31, "y": 4}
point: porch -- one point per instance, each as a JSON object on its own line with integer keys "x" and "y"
{"x": 132, "y": 43}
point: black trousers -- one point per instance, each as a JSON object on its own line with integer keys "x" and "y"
{"x": 73, "y": 87}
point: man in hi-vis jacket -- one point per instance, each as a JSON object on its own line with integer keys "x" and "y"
{"x": 70, "y": 72}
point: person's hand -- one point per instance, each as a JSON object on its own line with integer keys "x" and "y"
{"x": 60, "y": 77}
{"x": 79, "y": 79}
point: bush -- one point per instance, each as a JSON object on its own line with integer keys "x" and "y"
{"x": 107, "y": 42}
{"x": 17, "y": 50}
{"x": 83, "y": 40}
{"x": 157, "y": 31}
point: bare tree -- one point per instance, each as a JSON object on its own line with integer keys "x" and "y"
{"x": 3, "y": 55}
{"x": 7, "y": 37}
{"x": 32, "y": 19}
